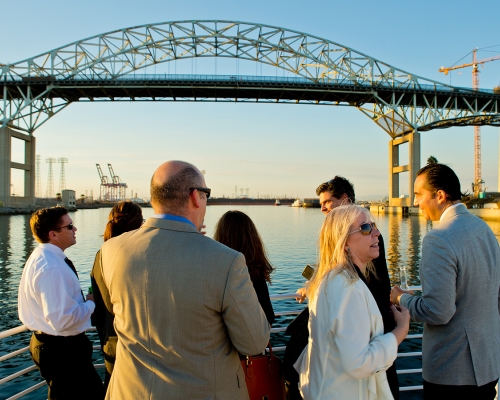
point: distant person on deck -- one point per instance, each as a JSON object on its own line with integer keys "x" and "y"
{"x": 332, "y": 194}
{"x": 237, "y": 231}
{"x": 184, "y": 304}
{"x": 459, "y": 305}
{"x": 123, "y": 217}
{"x": 51, "y": 304}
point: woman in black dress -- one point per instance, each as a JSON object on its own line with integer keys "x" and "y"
{"x": 237, "y": 231}
{"x": 124, "y": 217}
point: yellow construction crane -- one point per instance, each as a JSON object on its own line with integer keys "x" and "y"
{"x": 478, "y": 183}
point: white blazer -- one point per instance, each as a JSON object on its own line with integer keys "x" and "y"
{"x": 347, "y": 353}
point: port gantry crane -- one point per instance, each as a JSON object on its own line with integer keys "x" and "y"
{"x": 477, "y": 185}
{"x": 118, "y": 187}
{"x": 104, "y": 192}
{"x": 113, "y": 190}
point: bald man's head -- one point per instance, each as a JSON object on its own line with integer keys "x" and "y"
{"x": 170, "y": 186}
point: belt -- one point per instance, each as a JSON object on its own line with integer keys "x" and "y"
{"x": 62, "y": 342}
{"x": 46, "y": 335}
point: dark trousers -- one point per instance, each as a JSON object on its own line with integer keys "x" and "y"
{"x": 65, "y": 362}
{"x": 433, "y": 391}
{"x": 107, "y": 375}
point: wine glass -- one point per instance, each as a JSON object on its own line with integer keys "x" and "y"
{"x": 403, "y": 277}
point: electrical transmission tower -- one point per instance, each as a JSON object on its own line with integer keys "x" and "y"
{"x": 38, "y": 177}
{"x": 50, "y": 181}
{"x": 62, "y": 180}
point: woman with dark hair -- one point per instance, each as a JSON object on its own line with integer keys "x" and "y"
{"x": 237, "y": 231}
{"x": 124, "y": 217}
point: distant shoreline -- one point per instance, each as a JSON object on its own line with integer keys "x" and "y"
{"x": 91, "y": 206}
{"x": 222, "y": 201}
{"x": 32, "y": 209}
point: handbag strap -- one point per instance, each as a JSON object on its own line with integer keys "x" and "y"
{"x": 270, "y": 348}
{"x": 249, "y": 358}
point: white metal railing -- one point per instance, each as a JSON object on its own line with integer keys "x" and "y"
{"x": 22, "y": 328}
{"x": 14, "y": 331}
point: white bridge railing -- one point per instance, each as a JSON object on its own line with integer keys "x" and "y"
{"x": 22, "y": 328}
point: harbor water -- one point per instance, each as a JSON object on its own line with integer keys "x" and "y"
{"x": 290, "y": 235}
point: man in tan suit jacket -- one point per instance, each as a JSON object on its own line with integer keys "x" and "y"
{"x": 184, "y": 304}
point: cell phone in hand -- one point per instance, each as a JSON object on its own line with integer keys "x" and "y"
{"x": 308, "y": 272}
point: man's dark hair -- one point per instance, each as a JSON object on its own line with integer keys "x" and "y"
{"x": 441, "y": 177}
{"x": 337, "y": 187}
{"x": 45, "y": 220}
{"x": 174, "y": 193}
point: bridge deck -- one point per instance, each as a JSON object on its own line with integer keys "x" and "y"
{"x": 244, "y": 88}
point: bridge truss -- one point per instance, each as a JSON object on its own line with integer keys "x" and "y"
{"x": 35, "y": 89}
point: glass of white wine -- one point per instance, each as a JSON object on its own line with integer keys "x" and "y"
{"x": 403, "y": 277}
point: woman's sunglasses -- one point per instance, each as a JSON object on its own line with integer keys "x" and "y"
{"x": 365, "y": 228}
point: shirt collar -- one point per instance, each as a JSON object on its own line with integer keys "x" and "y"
{"x": 171, "y": 217}
{"x": 53, "y": 248}
{"x": 448, "y": 209}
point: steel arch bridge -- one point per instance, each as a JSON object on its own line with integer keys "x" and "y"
{"x": 103, "y": 67}
{"x": 37, "y": 88}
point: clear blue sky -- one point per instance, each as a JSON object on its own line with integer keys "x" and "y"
{"x": 271, "y": 149}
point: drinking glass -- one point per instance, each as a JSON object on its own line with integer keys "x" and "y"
{"x": 403, "y": 277}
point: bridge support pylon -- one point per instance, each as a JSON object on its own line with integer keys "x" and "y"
{"x": 413, "y": 140}
{"x": 6, "y": 164}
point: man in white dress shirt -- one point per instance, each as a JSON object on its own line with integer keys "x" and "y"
{"x": 51, "y": 304}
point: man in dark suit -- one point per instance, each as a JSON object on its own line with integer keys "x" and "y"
{"x": 460, "y": 276}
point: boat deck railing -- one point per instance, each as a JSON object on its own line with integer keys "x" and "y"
{"x": 22, "y": 328}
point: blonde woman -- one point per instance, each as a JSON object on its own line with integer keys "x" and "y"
{"x": 348, "y": 352}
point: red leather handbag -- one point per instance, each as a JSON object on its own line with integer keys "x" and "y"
{"x": 264, "y": 377}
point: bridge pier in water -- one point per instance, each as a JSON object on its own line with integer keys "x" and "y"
{"x": 6, "y": 164}
{"x": 413, "y": 139}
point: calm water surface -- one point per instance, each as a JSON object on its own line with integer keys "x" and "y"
{"x": 290, "y": 235}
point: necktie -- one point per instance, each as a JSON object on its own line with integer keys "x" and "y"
{"x": 72, "y": 266}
